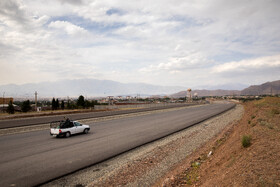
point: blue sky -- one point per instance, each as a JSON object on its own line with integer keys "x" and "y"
{"x": 166, "y": 42}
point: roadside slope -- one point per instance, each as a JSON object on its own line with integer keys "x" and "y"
{"x": 231, "y": 164}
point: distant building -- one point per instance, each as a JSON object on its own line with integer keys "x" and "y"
{"x": 6, "y": 100}
{"x": 4, "y": 103}
{"x": 3, "y": 107}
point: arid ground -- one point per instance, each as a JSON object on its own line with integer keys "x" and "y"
{"x": 225, "y": 161}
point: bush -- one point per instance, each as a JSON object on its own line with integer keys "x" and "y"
{"x": 260, "y": 120}
{"x": 26, "y": 106}
{"x": 246, "y": 141}
{"x": 274, "y": 111}
{"x": 253, "y": 124}
{"x": 11, "y": 109}
{"x": 81, "y": 102}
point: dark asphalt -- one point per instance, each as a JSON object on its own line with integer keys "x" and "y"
{"x": 33, "y": 158}
{"x": 9, "y": 123}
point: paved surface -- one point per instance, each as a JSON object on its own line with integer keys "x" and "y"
{"x": 9, "y": 123}
{"x": 34, "y": 158}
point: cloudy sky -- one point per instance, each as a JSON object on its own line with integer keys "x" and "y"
{"x": 164, "y": 42}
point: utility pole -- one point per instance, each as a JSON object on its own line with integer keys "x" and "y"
{"x": 137, "y": 97}
{"x": 3, "y": 102}
{"x": 36, "y": 100}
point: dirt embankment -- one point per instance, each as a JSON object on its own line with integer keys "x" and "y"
{"x": 225, "y": 161}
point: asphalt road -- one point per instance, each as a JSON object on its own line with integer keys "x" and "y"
{"x": 34, "y": 158}
{"x": 9, "y": 123}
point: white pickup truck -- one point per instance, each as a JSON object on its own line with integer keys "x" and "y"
{"x": 67, "y": 128}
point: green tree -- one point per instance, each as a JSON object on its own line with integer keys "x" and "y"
{"x": 11, "y": 109}
{"x": 25, "y": 107}
{"x": 53, "y": 104}
{"x": 81, "y": 101}
{"x": 88, "y": 104}
{"x": 94, "y": 102}
{"x": 57, "y": 104}
{"x": 68, "y": 104}
{"x": 62, "y": 105}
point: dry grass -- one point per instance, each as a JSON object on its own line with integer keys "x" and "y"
{"x": 253, "y": 162}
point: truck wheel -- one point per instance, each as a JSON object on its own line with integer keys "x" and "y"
{"x": 67, "y": 134}
{"x": 85, "y": 131}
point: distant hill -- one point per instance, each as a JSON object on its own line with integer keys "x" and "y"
{"x": 86, "y": 87}
{"x": 230, "y": 86}
{"x": 202, "y": 93}
{"x": 94, "y": 87}
{"x": 263, "y": 89}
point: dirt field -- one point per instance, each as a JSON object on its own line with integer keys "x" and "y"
{"x": 224, "y": 161}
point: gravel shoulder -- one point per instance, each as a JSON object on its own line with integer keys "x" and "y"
{"x": 145, "y": 165}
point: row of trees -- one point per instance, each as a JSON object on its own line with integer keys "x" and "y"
{"x": 25, "y": 107}
{"x": 79, "y": 104}
{"x": 56, "y": 105}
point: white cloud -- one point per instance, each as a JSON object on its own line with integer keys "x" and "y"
{"x": 69, "y": 28}
{"x": 12, "y": 12}
{"x": 179, "y": 64}
{"x": 262, "y": 63}
{"x": 159, "y": 42}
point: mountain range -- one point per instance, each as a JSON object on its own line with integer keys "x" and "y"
{"x": 268, "y": 88}
{"x": 86, "y": 87}
{"x": 94, "y": 87}
{"x": 202, "y": 93}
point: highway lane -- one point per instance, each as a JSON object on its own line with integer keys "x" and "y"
{"x": 9, "y": 123}
{"x": 33, "y": 158}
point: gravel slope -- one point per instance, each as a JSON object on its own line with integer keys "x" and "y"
{"x": 144, "y": 165}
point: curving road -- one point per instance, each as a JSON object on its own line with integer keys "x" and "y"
{"x": 34, "y": 158}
